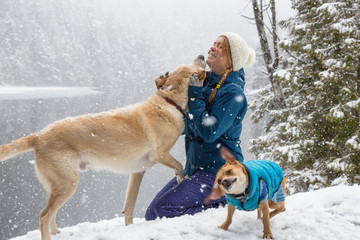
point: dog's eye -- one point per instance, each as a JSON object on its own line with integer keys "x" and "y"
{"x": 228, "y": 172}
{"x": 219, "y": 181}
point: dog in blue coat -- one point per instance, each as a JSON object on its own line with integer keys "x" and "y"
{"x": 255, "y": 184}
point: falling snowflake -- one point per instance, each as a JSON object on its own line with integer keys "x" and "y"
{"x": 209, "y": 121}
{"x": 239, "y": 98}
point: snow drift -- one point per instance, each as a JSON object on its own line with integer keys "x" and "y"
{"x": 331, "y": 213}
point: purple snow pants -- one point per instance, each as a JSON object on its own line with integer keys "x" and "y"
{"x": 184, "y": 198}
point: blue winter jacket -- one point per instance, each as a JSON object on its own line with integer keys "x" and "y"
{"x": 208, "y": 127}
{"x": 258, "y": 170}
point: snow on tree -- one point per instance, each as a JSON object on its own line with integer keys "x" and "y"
{"x": 316, "y": 137}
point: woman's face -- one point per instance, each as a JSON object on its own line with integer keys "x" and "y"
{"x": 217, "y": 59}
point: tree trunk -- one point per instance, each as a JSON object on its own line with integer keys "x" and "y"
{"x": 265, "y": 48}
{"x": 358, "y": 78}
{"x": 358, "y": 90}
{"x": 274, "y": 33}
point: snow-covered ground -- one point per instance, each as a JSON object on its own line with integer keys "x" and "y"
{"x": 331, "y": 213}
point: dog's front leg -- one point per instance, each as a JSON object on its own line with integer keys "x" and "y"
{"x": 264, "y": 207}
{"x": 169, "y": 161}
{"x": 228, "y": 221}
{"x": 258, "y": 213}
{"x": 131, "y": 195}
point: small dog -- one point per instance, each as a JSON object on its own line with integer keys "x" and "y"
{"x": 256, "y": 184}
{"x": 125, "y": 140}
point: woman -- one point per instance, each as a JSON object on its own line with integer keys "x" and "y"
{"x": 214, "y": 120}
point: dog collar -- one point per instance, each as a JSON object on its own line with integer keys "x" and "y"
{"x": 175, "y": 105}
{"x": 241, "y": 196}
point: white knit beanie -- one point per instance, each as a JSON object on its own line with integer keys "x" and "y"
{"x": 241, "y": 54}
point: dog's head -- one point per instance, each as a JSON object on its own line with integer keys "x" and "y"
{"x": 180, "y": 77}
{"x": 231, "y": 178}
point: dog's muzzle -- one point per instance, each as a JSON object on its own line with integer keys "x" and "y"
{"x": 226, "y": 183}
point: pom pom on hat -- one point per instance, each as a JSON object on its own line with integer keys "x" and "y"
{"x": 241, "y": 54}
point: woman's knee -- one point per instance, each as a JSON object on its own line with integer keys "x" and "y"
{"x": 167, "y": 210}
{"x": 160, "y": 208}
{"x": 150, "y": 213}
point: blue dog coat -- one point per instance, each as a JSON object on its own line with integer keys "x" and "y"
{"x": 264, "y": 182}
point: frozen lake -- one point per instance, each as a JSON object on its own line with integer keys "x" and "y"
{"x": 25, "y": 92}
{"x": 100, "y": 195}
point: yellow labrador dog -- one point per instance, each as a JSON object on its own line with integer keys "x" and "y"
{"x": 126, "y": 140}
{"x": 255, "y": 184}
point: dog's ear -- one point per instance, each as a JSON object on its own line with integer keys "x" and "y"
{"x": 201, "y": 74}
{"x": 159, "y": 82}
{"x": 227, "y": 155}
{"x": 216, "y": 193}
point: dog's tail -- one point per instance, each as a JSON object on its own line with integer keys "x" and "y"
{"x": 16, "y": 147}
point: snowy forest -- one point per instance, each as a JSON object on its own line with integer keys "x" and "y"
{"x": 66, "y": 58}
{"x": 312, "y": 105}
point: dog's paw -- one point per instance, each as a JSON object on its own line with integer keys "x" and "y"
{"x": 179, "y": 178}
{"x": 159, "y": 82}
{"x": 55, "y": 231}
{"x": 224, "y": 226}
{"x": 268, "y": 236}
{"x": 128, "y": 219}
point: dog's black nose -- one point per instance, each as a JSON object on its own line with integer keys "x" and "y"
{"x": 226, "y": 183}
{"x": 201, "y": 57}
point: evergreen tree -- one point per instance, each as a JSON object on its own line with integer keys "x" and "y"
{"x": 316, "y": 138}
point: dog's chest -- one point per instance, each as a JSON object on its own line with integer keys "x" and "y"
{"x": 119, "y": 164}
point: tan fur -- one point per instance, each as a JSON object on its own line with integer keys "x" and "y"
{"x": 228, "y": 172}
{"x": 125, "y": 140}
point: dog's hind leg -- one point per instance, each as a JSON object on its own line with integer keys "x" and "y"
{"x": 279, "y": 207}
{"x": 60, "y": 178}
{"x": 57, "y": 198}
{"x": 131, "y": 195}
{"x": 53, "y": 228}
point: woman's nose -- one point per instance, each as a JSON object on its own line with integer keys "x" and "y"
{"x": 212, "y": 49}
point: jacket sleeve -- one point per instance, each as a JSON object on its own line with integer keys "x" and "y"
{"x": 211, "y": 125}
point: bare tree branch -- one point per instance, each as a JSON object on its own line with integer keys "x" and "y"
{"x": 249, "y": 18}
